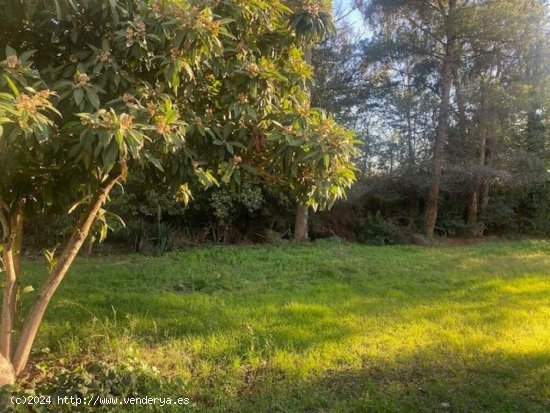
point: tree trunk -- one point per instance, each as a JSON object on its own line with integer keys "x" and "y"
{"x": 485, "y": 161}
{"x": 300, "y": 225}
{"x": 484, "y": 195}
{"x": 8, "y": 302}
{"x": 410, "y": 145}
{"x": 473, "y": 202}
{"x": 473, "y": 196}
{"x": 462, "y": 120}
{"x": 35, "y": 315}
{"x": 18, "y": 240}
{"x": 442, "y": 124}
{"x": 13, "y": 231}
{"x": 7, "y": 375}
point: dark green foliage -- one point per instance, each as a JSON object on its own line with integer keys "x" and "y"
{"x": 374, "y": 229}
{"x": 389, "y": 86}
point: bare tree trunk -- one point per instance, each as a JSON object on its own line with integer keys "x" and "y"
{"x": 473, "y": 196}
{"x": 442, "y": 123}
{"x": 35, "y": 315}
{"x": 300, "y": 224}
{"x": 485, "y": 181}
{"x": 8, "y": 302}
{"x": 486, "y": 125}
{"x": 18, "y": 240}
{"x": 480, "y": 188}
{"x": 7, "y": 375}
{"x": 301, "y": 219}
{"x": 462, "y": 120}
{"x": 13, "y": 231}
{"x": 484, "y": 195}
{"x": 410, "y": 146}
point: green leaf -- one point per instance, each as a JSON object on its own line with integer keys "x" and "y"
{"x": 185, "y": 66}
{"x": 12, "y": 86}
{"x": 78, "y": 95}
{"x": 10, "y": 51}
{"x": 206, "y": 178}
{"x": 154, "y": 161}
{"x": 114, "y": 12}
{"x": 230, "y": 168}
{"x": 109, "y": 157}
{"x": 94, "y": 98}
{"x": 184, "y": 194}
{"x": 26, "y": 55}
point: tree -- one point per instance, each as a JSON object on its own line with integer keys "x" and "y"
{"x": 184, "y": 93}
{"x": 438, "y": 22}
{"x": 312, "y": 22}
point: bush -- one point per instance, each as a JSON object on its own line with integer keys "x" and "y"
{"x": 375, "y": 229}
{"x": 452, "y": 227}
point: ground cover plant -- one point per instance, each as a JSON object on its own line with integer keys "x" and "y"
{"x": 326, "y": 326}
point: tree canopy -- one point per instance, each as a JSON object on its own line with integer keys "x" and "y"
{"x": 192, "y": 94}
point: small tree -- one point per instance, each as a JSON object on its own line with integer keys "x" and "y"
{"x": 315, "y": 155}
{"x": 312, "y": 22}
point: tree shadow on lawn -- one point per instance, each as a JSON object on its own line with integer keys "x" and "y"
{"x": 426, "y": 381}
{"x": 301, "y": 319}
{"x": 223, "y": 328}
{"x": 217, "y": 329}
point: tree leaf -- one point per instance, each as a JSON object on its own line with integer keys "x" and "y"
{"x": 10, "y": 51}
{"x": 154, "y": 161}
{"x": 93, "y": 98}
{"x": 78, "y": 95}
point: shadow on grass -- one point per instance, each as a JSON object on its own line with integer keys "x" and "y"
{"x": 427, "y": 381}
{"x": 306, "y": 317}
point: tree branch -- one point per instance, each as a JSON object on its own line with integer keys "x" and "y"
{"x": 5, "y": 223}
{"x": 34, "y": 318}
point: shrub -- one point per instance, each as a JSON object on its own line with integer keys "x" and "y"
{"x": 375, "y": 229}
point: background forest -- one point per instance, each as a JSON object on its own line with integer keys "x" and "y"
{"x": 451, "y": 102}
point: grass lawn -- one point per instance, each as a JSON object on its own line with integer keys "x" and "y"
{"x": 322, "y": 327}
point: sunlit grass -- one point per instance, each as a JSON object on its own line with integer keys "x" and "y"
{"x": 321, "y": 327}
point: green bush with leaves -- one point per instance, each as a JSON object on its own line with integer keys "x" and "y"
{"x": 375, "y": 229}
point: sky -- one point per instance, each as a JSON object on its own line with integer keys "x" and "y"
{"x": 346, "y": 8}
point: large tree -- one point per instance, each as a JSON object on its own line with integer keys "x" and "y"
{"x": 186, "y": 92}
{"x": 312, "y": 22}
{"x": 438, "y": 25}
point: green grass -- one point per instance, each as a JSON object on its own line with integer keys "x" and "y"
{"x": 324, "y": 327}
